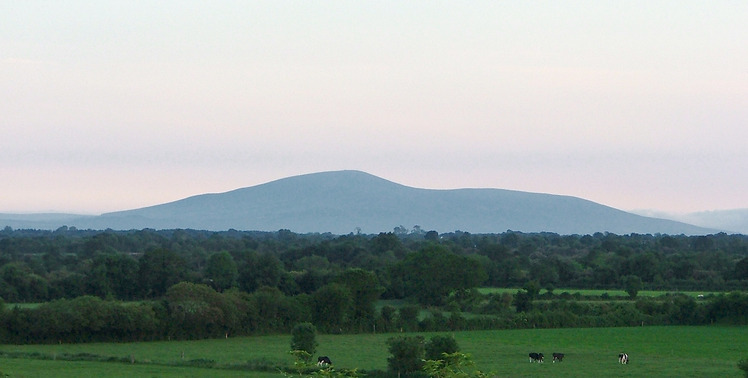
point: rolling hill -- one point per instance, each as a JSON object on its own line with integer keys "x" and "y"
{"x": 342, "y": 202}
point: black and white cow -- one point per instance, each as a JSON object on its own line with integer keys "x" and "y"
{"x": 558, "y": 357}
{"x": 536, "y": 357}
{"x": 323, "y": 361}
{"x": 623, "y": 358}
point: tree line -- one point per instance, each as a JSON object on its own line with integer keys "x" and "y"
{"x": 167, "y": 284}
{"x": 37, "y": 266}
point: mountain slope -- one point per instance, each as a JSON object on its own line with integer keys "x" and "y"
{"x": 342, "y": 201}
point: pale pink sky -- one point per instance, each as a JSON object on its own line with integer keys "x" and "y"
{"x": 112, "y": 105}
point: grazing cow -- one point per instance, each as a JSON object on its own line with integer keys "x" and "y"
{"x": 323, "y": 361}
{"x": 558, "y": 357}
{"x": 623, "y": 358}
{"x": 536, "y": 357}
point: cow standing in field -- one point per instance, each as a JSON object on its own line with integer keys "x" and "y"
{"x": 323, "y": 361}
{"x": 623, "y": 358}
{"x": 558, "y": 357}
{"x": 536, "y": 357}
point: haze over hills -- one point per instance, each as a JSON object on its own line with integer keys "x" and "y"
{"x": 734, "y": 220}
{"x": 342, "y": 202}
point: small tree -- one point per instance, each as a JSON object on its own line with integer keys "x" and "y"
{"x": 304, "y": 337}
{"x": 632, "y": 285}
{"x": 407, "y": 354}
{"x": 438, "y": 345}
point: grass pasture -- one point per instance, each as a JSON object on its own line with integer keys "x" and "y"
{"x": 590, "y": 352}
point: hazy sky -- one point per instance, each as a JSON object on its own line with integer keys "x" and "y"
{"x": 113, "y": 105}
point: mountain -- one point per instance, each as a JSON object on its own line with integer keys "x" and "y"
{"x": 342, "y": 202}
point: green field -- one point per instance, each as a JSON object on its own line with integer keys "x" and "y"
{"x": 590, "y": 352}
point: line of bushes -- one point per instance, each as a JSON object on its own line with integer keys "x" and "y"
{"x": 192, "y": 311}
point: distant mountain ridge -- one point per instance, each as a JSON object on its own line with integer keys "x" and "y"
{"x": 341, "y": 202}
{"x": 733, "y": 220}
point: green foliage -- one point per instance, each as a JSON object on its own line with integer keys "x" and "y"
{"x": 222, "y": 271}
{"x": 408, "y": 318}
{"x": 332, "y": 307}
{"x": 632, "y": 285}
{"x": 730, "y": 309}
{"x": 432, "y": 273}
{"x": 743, "y": 365}
{"x": 522, "y": 301}
{"x": 333, "y": 282}
{"x": 112, "y": 275}
{"x": 303, "y": 366}
{"x": 81, "y": 319}
{"x": 304, "y": 338}
{"x": 197, "y": 311}
{"x": 741, "y": 269}
{"x": 158, "y": 270}
{"x": 406, "y": 354}
{"x": 452, "y": 365}
{"x": 259, "y": 270}
{"x": 365, "y": 289}
{"x": 302, "y": 363}
{"x": 440, "y": 344}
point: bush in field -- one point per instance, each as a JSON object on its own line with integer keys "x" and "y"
{"x": 438, "y": 345}
{"x": 632, "y": 285}
{"x": 304, "y": 337}
{"x": 406, "y": 354}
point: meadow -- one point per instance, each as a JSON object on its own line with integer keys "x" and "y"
{"x": 677, "y": 351}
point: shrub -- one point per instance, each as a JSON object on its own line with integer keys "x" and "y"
{"x": 438, "y": 345}
{"x": 406, "y": 354}
{"x": 304, "y": 337}
{"x": 632, "y": 285}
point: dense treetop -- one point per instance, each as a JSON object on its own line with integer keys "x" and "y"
{"x": 40, "y": 265}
